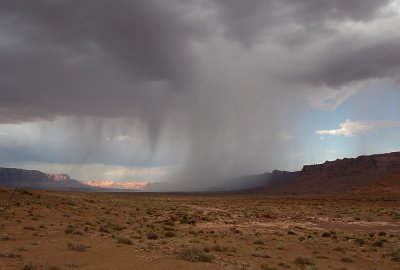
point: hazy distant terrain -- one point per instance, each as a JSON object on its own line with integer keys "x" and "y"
{"x": 379, "y": 174}
{"x": 12, "y": 177}
{"x": 376, "y": 173}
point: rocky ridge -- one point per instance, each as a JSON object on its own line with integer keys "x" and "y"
{"x": 339, "y": 176}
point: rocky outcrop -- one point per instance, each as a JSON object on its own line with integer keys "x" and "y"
{"x": 354, "y": 166}
{"x": 59, "y": 177}
{"x": 12, "y": 177}
{"x": 339, "y": 176}
{"x": 119, "y": 185}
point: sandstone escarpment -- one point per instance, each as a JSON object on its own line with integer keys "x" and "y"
{"x": 340, "y": 176}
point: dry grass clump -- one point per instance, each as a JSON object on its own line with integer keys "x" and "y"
{"x": 266, "y": 267}
{"x": 152, "y": 236}
{"x": 396, "y": 255}
{"x": 301, "y": 261}
{"x": 346, "y": 260}
{"x": 124, "y": 240}
{"x": 70, "y": 229}
{"x": 76, "y": 247}
{"x": 30, "y": 266}
{"x": 194, "y": 254}
{"x": 259, "y": 242}
{"x": 170, "y": 234}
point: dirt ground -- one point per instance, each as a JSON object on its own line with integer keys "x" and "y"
{"x": 60, "y": 230}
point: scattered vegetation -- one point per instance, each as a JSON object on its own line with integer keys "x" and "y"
{"x": 194, "y": 254}
{"x": 226, "y": 231}
{"x": 30, "y": 266}
{"x": 346, "y": 260}
{"x": 303, "y": 261}
{"x": 76, "y": 247}
{"x": 70, "y": 229}
{"x": 124, "y": 240}
{"x": 152, "y": 236}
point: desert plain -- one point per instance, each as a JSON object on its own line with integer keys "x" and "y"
{"x": 71, "y": 230}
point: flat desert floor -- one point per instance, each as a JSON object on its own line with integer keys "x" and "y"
{"x": 61, "y": 230}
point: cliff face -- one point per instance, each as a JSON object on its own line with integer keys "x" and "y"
{"x": 341, "y": 176}
{"x": 373, "y": 164}
{"x": 13, "y": 177}
{"x": 59, "y": 177}
{"x": 119, "y": 185}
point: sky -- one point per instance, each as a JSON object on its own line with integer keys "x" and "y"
{"x": 191, "y": 92}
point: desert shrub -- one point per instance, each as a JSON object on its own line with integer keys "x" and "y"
{"x": 259, "y": 242}
{"x": 104, "y": 229}
{"x": 30, "y": 266}
{"x": 340, "y": 249}
{"x": 266, "y": 267}
{"x": 76, "y": 247}
{"x": 303, "y": 261}
{"x": 326, "y": 234}
{"x": 115, "y": 227}
{"x": 6, "y": 238}
{"x": 377, "y": 243}
{"x": 195, "y": 254}
{"x": 124, "y": 240}
{"x": 170, "y": 234}
{"x": 152, "y": 236}
{"x": 219, "y": 248}
{"x": 72, "y": 230}
{"x": 168, "y": 228}
{"x": 396, "y": 255}
{"x": 187, "y": 220}
{"x": 281, "y": 246}
{"x": 346, "y": 260}
{"x": 360, "y": 241}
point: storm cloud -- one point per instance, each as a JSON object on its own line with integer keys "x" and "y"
{"x": 206, "y": 85}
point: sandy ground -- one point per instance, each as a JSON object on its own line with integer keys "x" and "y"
{"x": 59, "y": 230}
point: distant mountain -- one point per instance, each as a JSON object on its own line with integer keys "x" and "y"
{"x": 375, "y": 174}
{"x": 119, "y": 185}
{"x": 12, "y": 177}
{"x": 372, "y": 173}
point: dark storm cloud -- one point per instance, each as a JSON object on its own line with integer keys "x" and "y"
{"x": 215, "y": 75}
{"x": 147, "y": 38}
{"x": 360, "y": 61}
{"x": 248, "y": 20}
{"x": 118, "y": 58}
{"x": 99, "y": 58}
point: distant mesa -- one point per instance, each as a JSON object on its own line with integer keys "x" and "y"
{"x": 379, "y": 174}
{"x": 374, "y": 175}
{"x": 59, "y": 177}
{"x": 13, "y": 177}
{"x": 119, "y": 185}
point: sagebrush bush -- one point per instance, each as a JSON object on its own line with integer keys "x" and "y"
{"x": 194, "y": 254}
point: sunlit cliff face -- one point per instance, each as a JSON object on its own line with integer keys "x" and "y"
{"x": 195, "y": 92}
{"x": 119, "y": 185}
